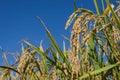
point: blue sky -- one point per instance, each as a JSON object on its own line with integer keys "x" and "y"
{"x": 18, "y": 20}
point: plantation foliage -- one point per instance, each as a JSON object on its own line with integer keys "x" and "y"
{"x": 94, "y": 52}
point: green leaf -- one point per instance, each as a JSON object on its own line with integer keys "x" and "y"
{"x": 91, "y": 42}
{"x": 23, "y": 49}
{"x": 55, "y": 45}
{"x": 58, "y": 49}
{"x": 70, "y": 20}
{"x": 103, "y": 8}
{"x": 98, "y": 71}
{"x": 97, "y": 7}
{"x": 74, "y": 15}
{"x": 114, "y": 15}
{"x": 43, "y": 55}
{"x": 75, "y": 6}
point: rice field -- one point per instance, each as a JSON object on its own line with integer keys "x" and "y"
{"x": 93, "y": 54}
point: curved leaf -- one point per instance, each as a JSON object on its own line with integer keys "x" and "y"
{"x": 74, "y": 15}
{"x": 98, "y": 71}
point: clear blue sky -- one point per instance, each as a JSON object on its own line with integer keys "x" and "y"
{"x": 18, "y": 20}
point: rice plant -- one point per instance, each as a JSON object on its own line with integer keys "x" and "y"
{"x": 94, "y": 52}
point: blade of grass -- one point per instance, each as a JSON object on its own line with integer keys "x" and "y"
{"x": 74, "y": 15}
{"x": 99, "y": 71}
{"x": 66, "y": 38}
{"x": 75, "y": 6}
{"x": 40, "y": 52}
{"x": 70, "y": 20}
{"x": 44, "y": 57}
{"x": 91, "y": 42}
{"x": 5, "y": 59}
{"x": 55, "y": 45}
{"x": 103, "y": 7}
{"x": 114, "y": 15}
{"x": 64, "y": 47}
{"x": 10, "y": 68}
{"x": 97, "y": 7}
{"x": 23, "y": 49}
